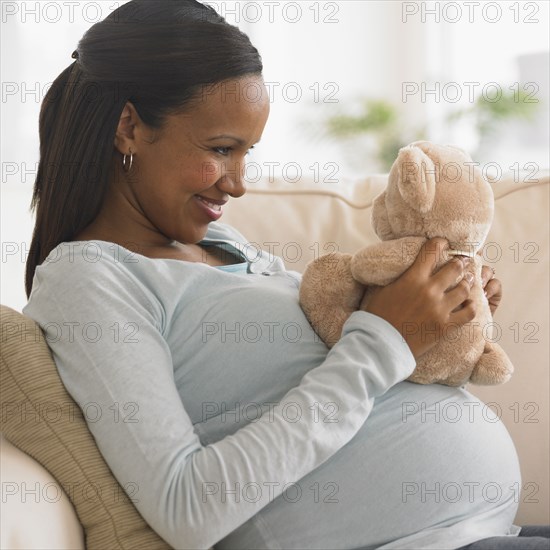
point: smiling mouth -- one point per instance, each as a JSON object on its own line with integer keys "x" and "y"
{"x": 213, "y": 205}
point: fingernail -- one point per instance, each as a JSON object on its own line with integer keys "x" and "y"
{"x": 466, "y": 260}
{"x": 485, "y": 292}
{"x": 469, "y": 277}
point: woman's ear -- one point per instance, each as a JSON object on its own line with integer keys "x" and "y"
{"x": 125, "y": 139}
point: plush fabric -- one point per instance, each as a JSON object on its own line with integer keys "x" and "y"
{"x": 40, "y": 418}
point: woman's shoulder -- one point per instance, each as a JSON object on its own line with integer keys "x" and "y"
{"x": 89, "y": 256}
{"x": 94, "y": 267}
{"x": 78, "y": 275}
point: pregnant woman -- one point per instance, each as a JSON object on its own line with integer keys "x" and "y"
{"x": 238, "y": 428}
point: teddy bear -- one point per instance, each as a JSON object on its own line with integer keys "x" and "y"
{"x": 432, "y": 191}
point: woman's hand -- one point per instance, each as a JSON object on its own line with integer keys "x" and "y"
{"x": 425, "y": 306}
{"x": 492, "y": 287}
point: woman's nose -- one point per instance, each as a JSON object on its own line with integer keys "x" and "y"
{"x": 233, "y": 181}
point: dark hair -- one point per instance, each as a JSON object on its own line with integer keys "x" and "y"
{"x": 158, "y": 54}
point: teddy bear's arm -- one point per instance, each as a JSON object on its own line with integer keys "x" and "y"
{"x": 382, "y": 263}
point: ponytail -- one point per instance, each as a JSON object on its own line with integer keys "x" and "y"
{"x": 75, "y": 154}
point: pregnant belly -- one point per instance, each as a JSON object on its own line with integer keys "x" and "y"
{"x": 427, "y": 457}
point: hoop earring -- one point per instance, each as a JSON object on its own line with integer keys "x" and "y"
{"x": 129, "y": 167}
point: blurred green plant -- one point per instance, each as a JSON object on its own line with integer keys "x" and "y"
{"x": 381, "y": 120}
{"x": 487, "y": 114}
{"x": 377, "y": 115}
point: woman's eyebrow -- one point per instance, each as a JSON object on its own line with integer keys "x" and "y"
{"x": 227, "y": 136}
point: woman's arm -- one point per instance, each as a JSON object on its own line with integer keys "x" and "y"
{"x": 123, "y": 380}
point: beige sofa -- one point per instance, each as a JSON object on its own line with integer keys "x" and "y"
{"x": 300, "y": 221}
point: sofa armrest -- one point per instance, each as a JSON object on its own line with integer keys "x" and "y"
{"x": 36, "y": 512}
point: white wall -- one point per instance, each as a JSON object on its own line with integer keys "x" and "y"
{"x": 352, "y": 50}
{"x": 38, "y": 39}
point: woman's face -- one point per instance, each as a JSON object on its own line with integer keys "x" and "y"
{"x": 198, "y": 156}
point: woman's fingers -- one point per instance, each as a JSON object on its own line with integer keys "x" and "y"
{"x": 424, "y": 302}
{"x": 487, "y": 273}
{"x": 428, "y": 257}
{"x": 457, "y": 296}
{"x": 452, "y": 273}
{"x": 492, "y": 287}
{"x": 464, "y": 314}
{"x": 493, "y": 291}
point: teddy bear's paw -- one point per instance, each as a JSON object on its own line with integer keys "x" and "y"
{"x": 329, "y": 295}
{"x": 440, "y": 365}
{"x": 494, "y": 367}
{"x": 328, "y": 281}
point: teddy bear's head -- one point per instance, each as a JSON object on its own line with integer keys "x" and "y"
{"x": 435, "y": 191}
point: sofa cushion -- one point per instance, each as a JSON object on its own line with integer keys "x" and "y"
{"x": 40, "y": 418}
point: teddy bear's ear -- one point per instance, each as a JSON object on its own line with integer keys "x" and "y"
{"x": 379, "y": 217}
{"x": 416, "y": 178}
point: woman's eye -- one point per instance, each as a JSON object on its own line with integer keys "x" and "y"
{"x": 226, "y": 150}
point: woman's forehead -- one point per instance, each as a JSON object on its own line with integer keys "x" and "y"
{"x": 221, "y": 108}
{"x": 248, "y": 92}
